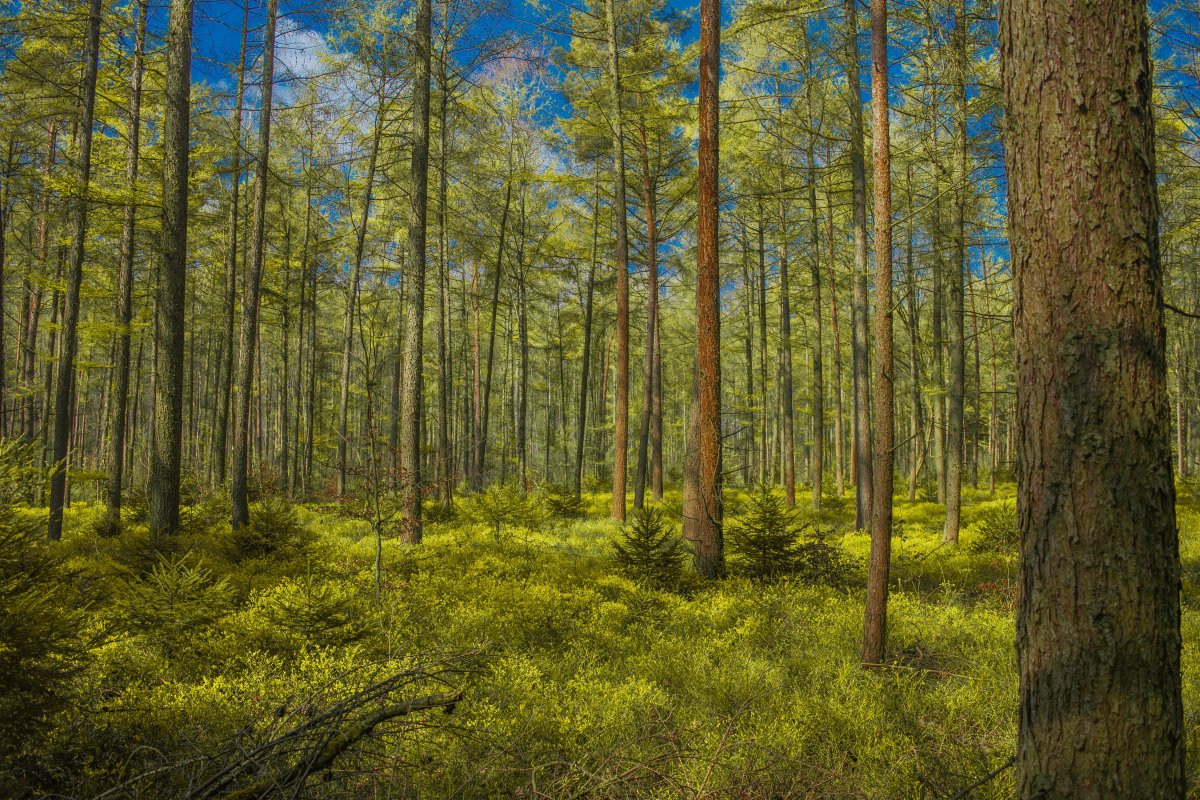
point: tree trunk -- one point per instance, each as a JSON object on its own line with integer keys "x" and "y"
{"x": 585, "y": 374}
{"x": 621, "y": 428}
{"x": 79, "y": 212}
{"x": 225, "y": 402}
{"x": 955, "y": 438}
{"x": 817, "y": 465}
{"x": 412, "y": 411}
{"x": 1098, "y": 625}
{"x": 703, "y": 505}
{"x": 238, "y": 491}
{"x": 360, "y": 243}
{"x": 860, "y": 311}
{"x": 649, "y": 190}
{"x": 120, "y": 391}
{"x": 875, "y": 639}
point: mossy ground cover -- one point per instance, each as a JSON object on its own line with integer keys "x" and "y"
{"x": 576, "y": 680}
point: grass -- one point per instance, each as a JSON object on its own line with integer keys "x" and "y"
{"x": 576, "y": 680}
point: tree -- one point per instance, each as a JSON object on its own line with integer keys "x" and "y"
{"x": 860, "y": 367}
{"x": 621, "y": 427}
{"x": 413, "y": 409}
{"x": 703, "y": 506}
{"x": 875, "y": 638}
{"x": 63, "y": 418}
{"x": 1098, "y": 625}
{"x": 120, "y": 392}
{"x": 238, "y": 489}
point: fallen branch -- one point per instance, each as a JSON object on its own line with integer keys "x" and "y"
{"x": 321, "y": 758}
{"x": 1000, "y": 769}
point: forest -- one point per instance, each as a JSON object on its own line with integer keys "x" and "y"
{"x": 560, "y": 399}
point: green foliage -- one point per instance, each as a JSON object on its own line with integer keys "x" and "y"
{"x": 995, "y": 529}
{"x": 562, "y": 503}
{"x": 505, "y": 505}
{"x": 169, "y": 605}
{"x": 324, "y": 612}
{"x": 763, "y": 541}
{"x": 42, "y": 624}
{"x": 274, "y": 529}
{"x": 649, "y": 550}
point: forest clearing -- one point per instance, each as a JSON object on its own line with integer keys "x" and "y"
{"x": 603, "y": 399}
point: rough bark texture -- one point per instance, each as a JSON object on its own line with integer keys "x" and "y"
{"x": 621, "y": 423}
{"x": 703, "y": 507}
{"x": 238, "y": 489}
{"x": 875, "y": 639}
{"x": 63, "y": 417}
{"x": 1098, "y": 637}
{"x": 412, "y": 410}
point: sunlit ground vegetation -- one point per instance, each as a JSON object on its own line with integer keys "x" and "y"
{"x": 559, "y": 654}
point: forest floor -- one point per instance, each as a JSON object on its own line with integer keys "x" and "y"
{"x": 231, "y": 659}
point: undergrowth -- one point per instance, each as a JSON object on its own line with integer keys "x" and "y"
{"x": 585, "y": 676}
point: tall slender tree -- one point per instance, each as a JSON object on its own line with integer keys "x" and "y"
{"x": 703, "y": 505}
{"x": 63, "y": 416}
{"x": 875, "y": 639}
{"x": 239, "y": 488}
{"x": 412, "y": 411}
{"x": 120, "y": 390}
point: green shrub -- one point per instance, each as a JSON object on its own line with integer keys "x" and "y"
{"x": 274, "y": 529}
{"x": 649, "y": 551}
{"x": 505, "y": 505}
{"x": 329, "y": 613}
{"x": 41, "y": 631}
{"x": 764, "y": 541}
{"x": 173, "y": 602}
{"x": 562, "y": 503}
{"x": 996, "y": 529}
{"x": 819, "y": 561}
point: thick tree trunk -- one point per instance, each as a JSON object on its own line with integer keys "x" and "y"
{"x": 238, "y": 490}
{"x": 79, "y": 213}
{"x": 703, "y": 504}
{"x": 817, "y": 466}
{"x": 1098, "y": 626}
{"x": 875, "y": 638}
{"x": 120, "y": 391}
{"x": 412, "y": 411}
{"x": 621, "y": 428}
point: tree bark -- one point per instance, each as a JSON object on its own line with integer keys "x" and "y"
{"x": 875, "y": 638}
{"x": 1098, "y": 625}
